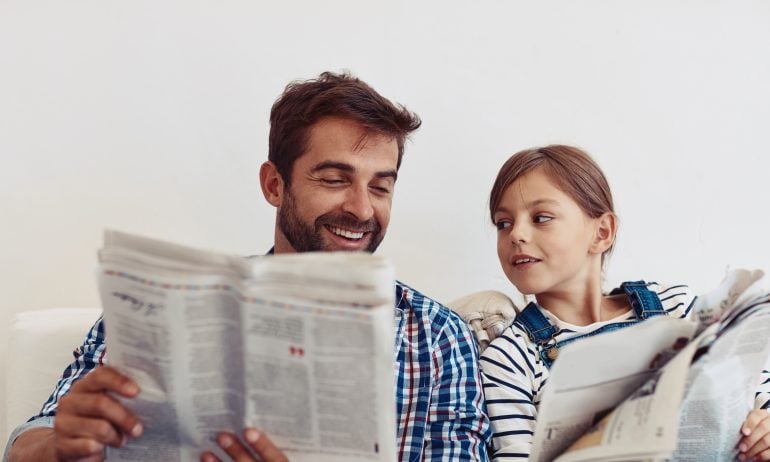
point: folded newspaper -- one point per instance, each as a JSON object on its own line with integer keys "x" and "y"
{"x": 672, "y": 389}
{"x": 300, "y": 346}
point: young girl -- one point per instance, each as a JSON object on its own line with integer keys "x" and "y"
{"x": 556, "y": 225}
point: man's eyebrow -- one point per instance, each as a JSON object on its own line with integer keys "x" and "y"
{"x": 387, "y": 174}
{"x": 347, "y": 168}
{"x": 330, "y": 164}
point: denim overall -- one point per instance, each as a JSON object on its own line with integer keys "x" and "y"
{"x": 644, "y": 302}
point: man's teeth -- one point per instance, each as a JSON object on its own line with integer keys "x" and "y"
{"x": 524, "y": 260}
{"x": 346, "y": 233}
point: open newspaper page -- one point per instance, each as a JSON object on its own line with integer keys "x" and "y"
{"x": 644, "y": 426}
{"x": 299, "y": 346}
{"x": 586, "y": 382}
{"x": 713, "y": 408}
{"x": 680, "y": 409}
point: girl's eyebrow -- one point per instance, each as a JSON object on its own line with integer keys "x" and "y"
{"x": 529, "y": 205}
{"x": 539, "y": 202}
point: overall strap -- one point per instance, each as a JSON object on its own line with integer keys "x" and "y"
{"x": 645, "y": 302}
{"x": 535, "y": 324}
{"x": 540, "y": 331}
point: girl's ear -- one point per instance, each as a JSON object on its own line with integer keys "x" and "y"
{"x": 606, "y": 227}
{"x": 272, "y": 183}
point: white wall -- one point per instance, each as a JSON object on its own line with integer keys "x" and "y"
{"x": 151, "y": 117}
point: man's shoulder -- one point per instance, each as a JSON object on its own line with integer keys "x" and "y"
{"x": 424, "y": 308}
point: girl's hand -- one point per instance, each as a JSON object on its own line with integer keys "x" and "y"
{"x": 755, "y": 443}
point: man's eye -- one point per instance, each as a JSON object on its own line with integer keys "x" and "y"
{"x": 503, "y": 224}
{"x": 381, "y": 189}
{"x": 332, "y": 181}
{"x": 542, "y": 219}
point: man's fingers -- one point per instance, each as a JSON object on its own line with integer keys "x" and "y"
{"x": 234, "y": 449}
{"x": 105, "y": 378}
{"x": 209, "y": 457}
{"x": 262, "y": 445}
{"x": 81, "y": 449}
{"x": 74, "y": 427}
{"x": 259, "y": 443}
{"x": 100, "y": 406}
{"x": 88, "y": 418}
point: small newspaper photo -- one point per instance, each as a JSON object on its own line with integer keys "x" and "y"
{"x": 299, "y": 346}
{"x": 671, "y": 389}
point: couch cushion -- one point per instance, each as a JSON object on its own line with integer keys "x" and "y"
{"x": 40, "y": 346}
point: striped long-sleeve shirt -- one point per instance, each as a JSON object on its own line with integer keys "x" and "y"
{"x": 440, "y": 408}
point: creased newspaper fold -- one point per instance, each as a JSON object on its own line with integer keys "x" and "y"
{"x": 300, "y": 346}
{"x": 663, "y": 389}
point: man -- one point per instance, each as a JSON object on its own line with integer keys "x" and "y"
{"x": 334, "y": 153}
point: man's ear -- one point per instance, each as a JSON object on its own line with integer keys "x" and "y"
{"x": 272, "y": 183}
{"x": 606, "y": 228}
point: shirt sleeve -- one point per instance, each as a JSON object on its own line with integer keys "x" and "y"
{"x": 458, "y": 427}
{"x": 88, "y": 356}
{"x": 38, "y": 422}
{"x": 512, "y": 377}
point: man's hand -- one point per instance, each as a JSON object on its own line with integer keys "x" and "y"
{"x": 257, "y": 441}
{"x": 755, "y": 441}
{"x": 88, "y": 419}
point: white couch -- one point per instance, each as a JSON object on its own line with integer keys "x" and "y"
{"x": 39, "y": 345}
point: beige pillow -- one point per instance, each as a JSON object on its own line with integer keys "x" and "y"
{"x": 487, "y": 313}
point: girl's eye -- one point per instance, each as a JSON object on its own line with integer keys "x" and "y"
{"x": 542, "y": 219}
{"x": 503, "y": 224}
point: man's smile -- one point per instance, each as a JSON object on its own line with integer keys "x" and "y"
{"x": 348, "y": 234}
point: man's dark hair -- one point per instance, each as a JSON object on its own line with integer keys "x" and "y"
{"x": 303, "y": 103}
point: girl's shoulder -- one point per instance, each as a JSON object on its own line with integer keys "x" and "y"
{"x": 513, "y": 338}
{"x": 676, "y": 299}
{"x": 511, "y": 354}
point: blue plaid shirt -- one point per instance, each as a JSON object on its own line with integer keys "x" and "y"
{"x": 440, "y": 408}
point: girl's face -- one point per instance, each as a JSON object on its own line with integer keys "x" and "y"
{"x": 545, "y": 242}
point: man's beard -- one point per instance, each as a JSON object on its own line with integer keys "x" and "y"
{"x": 306, "y": 238}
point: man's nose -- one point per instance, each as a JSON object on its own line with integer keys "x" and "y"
{"x": 358, "y": 203}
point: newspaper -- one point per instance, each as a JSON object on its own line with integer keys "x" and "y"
{"x": 662, "y": 393}
{"x": 299, "y": 346}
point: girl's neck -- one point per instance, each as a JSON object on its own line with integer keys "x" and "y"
{"x": 583, "y": 305}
